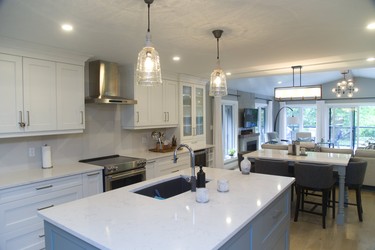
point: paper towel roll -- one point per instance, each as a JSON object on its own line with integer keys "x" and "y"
{"x": 46, "y": 157}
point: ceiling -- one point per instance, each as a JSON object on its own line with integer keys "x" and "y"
{"x": 262, "y": 39}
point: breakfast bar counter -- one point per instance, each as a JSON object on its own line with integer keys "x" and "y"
{"x": 254, "y": 213}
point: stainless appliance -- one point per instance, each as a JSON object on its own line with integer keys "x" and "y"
{"x": 119, "y": 171}
{"x": 201, "y": 157}
{"x": 104, "y": 87}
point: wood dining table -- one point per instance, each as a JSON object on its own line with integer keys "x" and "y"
{"x": 338, "y": 161}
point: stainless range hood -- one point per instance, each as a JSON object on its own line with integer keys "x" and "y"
{"x": 104, "y": 87}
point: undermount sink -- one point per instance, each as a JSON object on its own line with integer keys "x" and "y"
{"x": 166, "y": 189}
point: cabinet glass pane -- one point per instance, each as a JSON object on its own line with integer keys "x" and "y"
{"x": 187, "y": 110}
{"x": 199, "y": 111}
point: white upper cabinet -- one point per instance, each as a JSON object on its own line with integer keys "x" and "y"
{"x": 157, "y": 106}
{"x": 193, "y": 113}
{"x": 70, "y": 98}
{"x": 39, "y": 91}
{"x": 39, "y": 97}
{"x": 11, "y": 99}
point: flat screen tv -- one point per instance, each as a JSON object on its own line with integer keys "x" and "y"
{"x": 250, "y": 118}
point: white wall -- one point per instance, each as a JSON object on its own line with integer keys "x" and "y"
{"x": 103, "y": 136}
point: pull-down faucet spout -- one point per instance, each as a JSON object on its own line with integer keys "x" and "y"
{"x": 193, "y": 180}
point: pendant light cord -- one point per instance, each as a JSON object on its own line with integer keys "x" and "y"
{"x": 217, "y": 47}
{"x": 148, "y": 18}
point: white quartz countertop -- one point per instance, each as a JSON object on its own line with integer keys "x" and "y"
{"x": 121, "y": 219}
{"x": 15, "y": 176}
{"x": 149, "y": 155}
{"x": 316, "y": 157}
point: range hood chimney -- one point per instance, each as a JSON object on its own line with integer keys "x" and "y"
{"x": 104, "y": 87}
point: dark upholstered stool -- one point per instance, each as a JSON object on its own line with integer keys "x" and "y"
{"x": 314, "y": 177}
{"x": 355, "y": 174}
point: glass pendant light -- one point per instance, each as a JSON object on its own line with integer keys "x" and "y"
{"x": 148, "y": 65}
{"x": 218, "y": 83}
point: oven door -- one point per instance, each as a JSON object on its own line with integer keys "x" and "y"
{"x": 123, "y": 179}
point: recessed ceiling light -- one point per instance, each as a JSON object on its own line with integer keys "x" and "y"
{"x": 371, "y": 26}
{"x": 228, "y": 74}
{"x": 370, "y": 59}
{"x": 67, "y": 27}
{"x": 279, "y": 82}
{"x": 176, "y": 58}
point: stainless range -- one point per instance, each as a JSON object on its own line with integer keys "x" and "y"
{"x": 120, "y": 171}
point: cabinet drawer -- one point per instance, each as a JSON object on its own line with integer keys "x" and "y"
{"x": 27, "y": 238}
{"x": 270, "y": 219}
{"x": 20, "y": 213}
{"x": 43, "y": 187}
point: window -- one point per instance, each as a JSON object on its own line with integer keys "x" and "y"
{"x": 307, "y": 120}
{"x": 262, "y": 121}
{"x": 352, "y": 126}
{"x": 229, "y": 113}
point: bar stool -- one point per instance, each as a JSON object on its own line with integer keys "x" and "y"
{"x": 314, "y": 177}
{"x": 355, "y": 174}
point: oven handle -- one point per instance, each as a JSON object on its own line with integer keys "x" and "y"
{"x": 127, "y": 174}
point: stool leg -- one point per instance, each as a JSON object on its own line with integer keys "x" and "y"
{"x": 359, "y": 203}
{"x": 298, "y": 202}
{"x": 333, "y": 201}
{"x": 324, "y": 204}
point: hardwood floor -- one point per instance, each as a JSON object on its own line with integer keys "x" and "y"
{"x": 307, "y": 233}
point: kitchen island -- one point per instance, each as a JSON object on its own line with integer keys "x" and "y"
{"x": 253, "y": 214}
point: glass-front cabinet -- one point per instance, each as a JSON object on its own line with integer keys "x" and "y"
{"x": 193, "y": 113}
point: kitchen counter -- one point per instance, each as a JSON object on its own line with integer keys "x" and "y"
{"x": 121, "y": 219}
{"x": 15, "y": 176}
{"x": 149, "y": 155}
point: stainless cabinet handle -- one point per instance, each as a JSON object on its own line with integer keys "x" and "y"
{"x": 81, "y": 117}
{"x": 165, "y": 116}
{"x": 174, "y": 171}
{"x": 44, "y": 187}
{"x": 45, "y": 207}
{"x": 42, "y": 235}
{"x": 150, "y": 162}
{"x": 137, "y": 116}
{"x": 28, "y": 118}
{"x": 21, "y": 123}
{"x": 93, "y": 174}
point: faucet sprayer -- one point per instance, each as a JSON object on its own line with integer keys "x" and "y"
{"x": 193, "y": 180}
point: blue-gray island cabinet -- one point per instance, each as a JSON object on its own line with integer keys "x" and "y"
{"x": 254, "y": 214}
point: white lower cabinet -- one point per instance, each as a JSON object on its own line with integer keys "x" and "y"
{"x": 20, "y": 226}
{"x": 165, "y": 165}
{"x": 92, "y": 183}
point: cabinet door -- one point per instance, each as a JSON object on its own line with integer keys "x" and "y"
{"x": 39, "y": 78}
{"x": 141, "y": 117}
{"x": 155, "y": 97}
{"x": 70, "y": 98}
{"x": 187, "y": 111}
{"x": 199, "y": 129}
{"x": 170, "y": 99}
{"x": 92, "y": 183}
{"x": 150, "y": 170}
{"x": 11, "y": 99}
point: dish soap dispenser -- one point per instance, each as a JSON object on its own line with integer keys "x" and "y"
{"x": 201, "y": 178}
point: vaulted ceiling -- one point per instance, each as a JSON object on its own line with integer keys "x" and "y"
{"x": 262, "y": 39}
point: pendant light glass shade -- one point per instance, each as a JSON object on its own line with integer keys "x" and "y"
{"x": 148, "y": 65}
{"x": 218, "y": 82}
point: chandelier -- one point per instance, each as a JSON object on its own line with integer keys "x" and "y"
{"x": 298, "y": 92}
{"x": 346, "y": 86}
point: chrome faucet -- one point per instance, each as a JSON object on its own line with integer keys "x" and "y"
{"x": 193, "y": 180}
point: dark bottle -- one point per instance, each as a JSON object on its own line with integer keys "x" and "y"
{"x": 201, "y": 178}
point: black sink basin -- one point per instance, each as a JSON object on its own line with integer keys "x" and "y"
{"x": 166, "y": 189}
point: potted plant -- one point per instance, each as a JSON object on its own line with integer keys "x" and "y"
{"x": 231, "y": 152}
